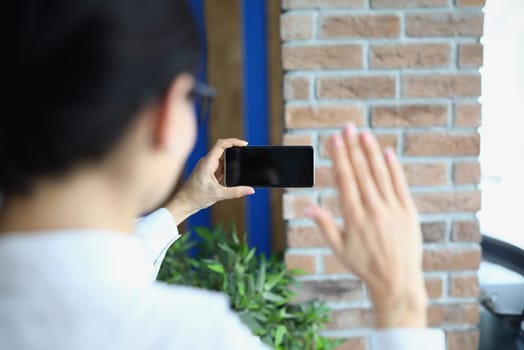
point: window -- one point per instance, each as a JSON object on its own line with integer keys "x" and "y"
{"x": 502, "y": 152}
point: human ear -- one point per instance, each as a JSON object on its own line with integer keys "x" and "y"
{"x": 170, "y": 111}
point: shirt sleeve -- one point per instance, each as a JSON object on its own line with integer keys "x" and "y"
{"x": 408, "y": 339}
{"x": 158, "y": 231}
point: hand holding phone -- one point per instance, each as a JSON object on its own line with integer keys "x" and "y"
{"x": 204, "y": 187}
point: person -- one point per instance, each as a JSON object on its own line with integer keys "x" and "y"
{"x": 97, "y": 123}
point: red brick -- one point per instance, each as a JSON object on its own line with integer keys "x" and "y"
{"x": 464, "y": 286}
{"x": 332, "y": 290}
{"x": 333, "y": 266}
{"x": 468, "y": 115}
{"x": 354, "y": 344}
{"x": 426, "y": 174}
{"x": 471, "y": 55}
{"x": 433, "y": 232}
{"x": 294, "y": 205}
{"x": 356, "y": 87}
{"x": 305, "y": 237}
{"x": 449, "y": 86}
{"x": 454, "y": 314}
{"x": 451, "y": 259}
{"x": 471, "y": 3}
{"x": 322, "y": 116}
{"x": 402, "y": 4}
{"x": 359, "y": 26}
{"x": 298, "y": 140}
{"x": 325, "y": 146}
{"x": 296, "y": 88}
{"x": 387, "y": 141}
{"x": 301, "y": 4}
{"x": 322, "y": 57}
{"x": 441, "y": 144}
{"x": 384, "y": 140}
{"x": 305, "y": 263}
{"x": 296, "y": 26}
{"x": 447, "y": 202}
{"x": 410, "y": 56}
{"x": 324, "y": 177}
{"x": 466, "y": 231}
{"x": 434, "y": 287}
{"x": 351, "y": 318}
{"x": 406, "y": 116}
{"x": 467, "y": 173}
{"x": 462, "y": 340}
{"x": 445, "y": 24}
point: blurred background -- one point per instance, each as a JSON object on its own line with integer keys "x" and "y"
{"x": 242, "y": 62}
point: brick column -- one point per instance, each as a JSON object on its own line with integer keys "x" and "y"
{"x": 408, "y": 69}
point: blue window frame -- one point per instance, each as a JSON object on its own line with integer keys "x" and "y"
{"x": 256, "y": 128}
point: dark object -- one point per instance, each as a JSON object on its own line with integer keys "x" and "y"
{"x": 269, "y": 166}
{"x": 497, "y": 332}
{"x": 503, "y": 253}
{"x": 502, "y": 320}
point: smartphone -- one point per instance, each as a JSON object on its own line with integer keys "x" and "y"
{"x": 269, "y": 166}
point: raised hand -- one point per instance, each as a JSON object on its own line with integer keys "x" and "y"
{"x": 380, "y": 241}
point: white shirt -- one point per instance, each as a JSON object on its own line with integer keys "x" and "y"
{"x": 83, "y": 289}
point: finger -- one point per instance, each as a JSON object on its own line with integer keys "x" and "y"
{"x": 377, "y": 165}
{"x": 345, "y": 179}
{"x": 325, "y": 221}
{"x": 359, "y": 163}
{"x": 235, "y": 192}
{"x": 221, "y": 145}
{"x": 398, "y": 177}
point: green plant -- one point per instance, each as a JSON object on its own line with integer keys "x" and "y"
{"x": 259, "y": 288}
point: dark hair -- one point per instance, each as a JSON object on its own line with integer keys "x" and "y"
{"x": 77, "y": 72}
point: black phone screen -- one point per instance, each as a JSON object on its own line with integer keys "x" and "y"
{"x": 269, "y": 166}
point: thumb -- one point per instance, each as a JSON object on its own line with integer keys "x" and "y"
{"x": 325, "y": 221}
{"x": 236, "y": 192}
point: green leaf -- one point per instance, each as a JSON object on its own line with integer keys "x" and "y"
{"x": 216, "y": 267}
{"x": 284, "y": 314}
{"x": 249, "y": 321}
{"x": 234, "y": 234}
{"x": 250, "y": 286}
{"x": 241, "y": 288}
{"x": 279, "y": 334}
{"x": 260, "y": 317}
{"x": 273, "y": 297}
{"x": 204, "y": 233}
{"x": 261, "y": 275}
{"x": 297, "y": 272}
{"x": 250, "y": 255}
{"x": 272, "y": 282}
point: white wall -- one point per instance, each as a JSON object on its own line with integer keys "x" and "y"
{"x": 503, "y": 121}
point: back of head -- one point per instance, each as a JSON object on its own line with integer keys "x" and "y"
{"x": 77, "y": 72}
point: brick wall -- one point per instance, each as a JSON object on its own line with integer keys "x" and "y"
{"x": 409, "y": 70}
